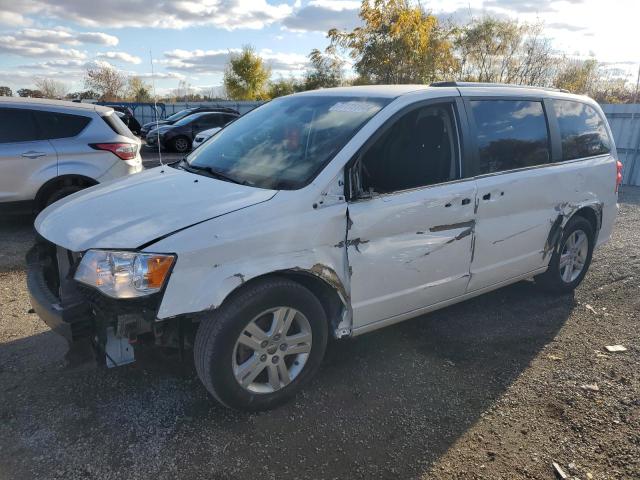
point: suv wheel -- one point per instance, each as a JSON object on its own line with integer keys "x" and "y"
{"x": 181, "y": 144}
{"x": 262, "y": 345}
{"x": 570, "y": 262}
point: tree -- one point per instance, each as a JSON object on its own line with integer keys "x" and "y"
{"x": 578, "y": 76}
{"x": 284, "y": 86}
{"x": 83, "y": 95}
{"x": 398, "y": 43}
{"x": 27, "y": 92}
{"x": 504, "y": 51}
{"x": 51, "y": 88}
{"x": 108, "y": 82}
{"x": 138, "y": 90}
{"x": 246, "y": 75}
{"x": 326, "y": 70}
{"x": 5, "y": 92}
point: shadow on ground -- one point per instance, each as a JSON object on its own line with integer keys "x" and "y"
{"x": 384, "y": 405}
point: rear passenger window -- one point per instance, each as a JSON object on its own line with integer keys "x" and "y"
{"x": 17, "y": 125}
{"x": 511, "y": 134}
{"x": 60, "y": 125}
{"x": 582, "y": 130}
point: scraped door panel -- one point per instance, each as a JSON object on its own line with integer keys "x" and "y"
{"x": 409, "y": 250}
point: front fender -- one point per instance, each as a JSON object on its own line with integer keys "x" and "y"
{"x": 218, "y": 256}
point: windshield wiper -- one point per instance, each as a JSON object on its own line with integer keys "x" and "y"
{"x": 214, "y": 173}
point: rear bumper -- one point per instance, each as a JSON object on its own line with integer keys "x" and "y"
{"x": 69, "y": 320}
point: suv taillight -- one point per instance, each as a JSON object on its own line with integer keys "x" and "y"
{"x": 124, "y": 151}
{"x": 618, "y": 174}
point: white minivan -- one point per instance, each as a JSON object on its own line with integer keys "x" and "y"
{"x": 328, "y": 213}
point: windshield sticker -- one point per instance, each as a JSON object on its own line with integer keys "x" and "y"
{"x": 353, "y": 107}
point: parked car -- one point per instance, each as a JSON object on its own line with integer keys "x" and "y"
{"x": 50, "y": 149}
{"x": 147, "y": 127}
{"x": 204, "y": 136}
{"x": 329, "y": 213}
{"x": 179, "y": 136}
{"x": 128, "y": 118}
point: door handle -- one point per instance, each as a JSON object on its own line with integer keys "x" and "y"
{"x": 32, "y": 154}
{"x": 466, "y": 201}
{"x": 486, "y": 196}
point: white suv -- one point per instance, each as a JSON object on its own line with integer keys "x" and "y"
{"x": 329, "y": 213}
{"x": 50, "y": 149}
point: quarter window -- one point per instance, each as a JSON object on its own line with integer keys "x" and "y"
{"x": 17, "y": 125}
{"x": 582, "y": 130}
{"x": 511, "y": 134}
{"x": 419, "y": 149}
{"x": 60, "y": 125}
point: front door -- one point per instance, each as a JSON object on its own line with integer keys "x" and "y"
{"x": 411, "y": 225}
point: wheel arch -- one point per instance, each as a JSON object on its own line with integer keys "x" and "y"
{"x": 320, "y": 281}
{"x": 61, "y": 181}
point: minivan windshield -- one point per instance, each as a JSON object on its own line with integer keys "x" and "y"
{"x": 284, "y": 144}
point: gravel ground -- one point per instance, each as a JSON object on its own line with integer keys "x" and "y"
{"x": 491, "y": 388}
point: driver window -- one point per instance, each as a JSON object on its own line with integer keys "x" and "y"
{"x": 419, "y": 149}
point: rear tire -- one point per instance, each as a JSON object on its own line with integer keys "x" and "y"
{"x": 259, "y": 348}
{"x": 570, "y": 261}
{"x": 60, "y": 193}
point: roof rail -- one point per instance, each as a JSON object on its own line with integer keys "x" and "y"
{"x": 490, "y": 85}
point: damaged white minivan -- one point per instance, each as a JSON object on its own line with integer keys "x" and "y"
{"x": 328, "y": 213}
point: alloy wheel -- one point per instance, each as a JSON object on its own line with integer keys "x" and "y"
{"x": 272, "y": 350}
{"x": 573, "y": 256}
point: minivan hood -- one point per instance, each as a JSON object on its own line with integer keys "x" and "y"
{"x": 136, "y": 210}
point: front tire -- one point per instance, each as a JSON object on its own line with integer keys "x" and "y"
{"x": 261, "y": 345}
{"x": 570, "y": 262}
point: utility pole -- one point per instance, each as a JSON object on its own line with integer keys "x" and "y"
{"x": 635, "y": 95}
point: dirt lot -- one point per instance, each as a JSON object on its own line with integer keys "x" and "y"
{"x": 491, "y": 388}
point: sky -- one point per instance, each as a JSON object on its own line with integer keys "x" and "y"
{"x": 190, "y": 40}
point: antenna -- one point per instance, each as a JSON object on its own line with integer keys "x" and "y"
{"x": 155, "y": 106}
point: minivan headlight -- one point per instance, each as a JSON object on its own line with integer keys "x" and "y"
{"x": 124, "y": 274}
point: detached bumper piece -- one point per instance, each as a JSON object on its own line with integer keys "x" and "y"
{"x": 53, "y": 294}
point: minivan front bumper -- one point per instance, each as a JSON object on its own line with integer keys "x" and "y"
{"x": 69, "y": 317}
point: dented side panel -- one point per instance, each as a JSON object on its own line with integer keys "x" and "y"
{"x": 409, "y": 250}
{"x": 521, "y": 215}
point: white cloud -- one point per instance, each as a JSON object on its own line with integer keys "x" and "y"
{"x": 13, "y": 19}
{"x": 10, "y": 44}
{"x": 227, "y": 14}
{"x": 98, "y": 38}
{"x": 122, "y": 56}
{"x": 323, "y": 15}
{"x": 215, "y": 61}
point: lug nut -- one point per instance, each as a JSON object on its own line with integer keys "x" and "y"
{"x": 275, "y": 359}
{"x": 264, "y": 344}
{"x": 263, "y": 357}
{"x": 276, "y": 337}
{"x": 283, "y": 347}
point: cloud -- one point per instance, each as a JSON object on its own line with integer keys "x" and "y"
{"x": 566, "y": 26}
{"x": 10, "y": 44}
{"x": 215, "y": 61}
{"x": 323, "y": 15}
{"x": 227, "y": 14}
{"x": 526, "y": 6}
{"x": 98, "y": 38}
{"x": 122, "y": 56}
{"x": 13, "y": 19}
{"x": 64, "y": 36}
